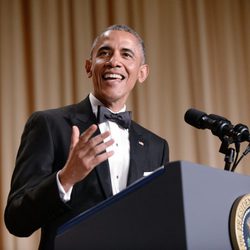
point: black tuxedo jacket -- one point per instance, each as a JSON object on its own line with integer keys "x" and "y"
{"x": 34, "y": 200}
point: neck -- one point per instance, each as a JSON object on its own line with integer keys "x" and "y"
{"x": 114, "y": 106}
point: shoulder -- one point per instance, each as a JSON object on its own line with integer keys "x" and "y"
{"x": 53, "y": 113}
{"x": 50, "y": 115}
{"x": 155, "y": 144}
{"x": 146, "y": 132}
{"x": 69, "y": 112}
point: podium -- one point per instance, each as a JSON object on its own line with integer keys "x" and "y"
{"x": 180, "y": 206}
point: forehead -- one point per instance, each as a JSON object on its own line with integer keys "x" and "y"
{"x": 117, "y": 39}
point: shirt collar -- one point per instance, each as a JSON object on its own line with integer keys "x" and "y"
{"x": 95, "y": 103}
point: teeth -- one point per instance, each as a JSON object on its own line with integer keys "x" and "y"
{"x": 114, "y": 76}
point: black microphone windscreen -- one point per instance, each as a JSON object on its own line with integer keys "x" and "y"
{"x": 218, "y": 118}
{"x": 194, "y": 117}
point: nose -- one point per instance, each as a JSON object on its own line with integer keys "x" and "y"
{"x": 114, "y": 61}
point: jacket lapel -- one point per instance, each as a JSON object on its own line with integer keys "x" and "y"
{"x": 138, "y": 147}
{"x": 83, "y": 117}
{"x": 103, "y": 173}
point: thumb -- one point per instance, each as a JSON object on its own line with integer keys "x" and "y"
{"x": 74, "y": 137}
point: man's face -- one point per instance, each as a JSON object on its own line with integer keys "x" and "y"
{"x": 115, "y": 67}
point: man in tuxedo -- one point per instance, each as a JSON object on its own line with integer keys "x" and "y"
{"x": 74, "y": 157}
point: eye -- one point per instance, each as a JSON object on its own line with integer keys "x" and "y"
{"x": 128, "y": 55}
{"x": 103, "y": 53}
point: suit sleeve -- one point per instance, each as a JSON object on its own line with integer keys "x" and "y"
{"x": 34, "y": 199}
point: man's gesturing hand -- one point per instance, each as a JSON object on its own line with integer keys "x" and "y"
{"x": 85, "y": 153}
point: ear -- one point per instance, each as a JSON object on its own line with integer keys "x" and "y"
{"x": 143, "y": 73}
{"x": 88, "y": 66}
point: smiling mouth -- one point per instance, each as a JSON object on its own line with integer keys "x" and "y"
{"x": 110, "y": 76}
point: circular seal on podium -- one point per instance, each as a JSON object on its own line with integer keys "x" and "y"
{"x": 240, "y": 223}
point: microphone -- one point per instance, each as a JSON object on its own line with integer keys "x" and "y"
{"x": 242, "y": 132}
{"x": 218, "y": 125}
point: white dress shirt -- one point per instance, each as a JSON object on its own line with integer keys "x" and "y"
{"x": 119, "y": 161}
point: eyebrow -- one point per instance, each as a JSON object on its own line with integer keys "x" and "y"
{"x": 104, "y": 48}
{"x": 109, "y": 48}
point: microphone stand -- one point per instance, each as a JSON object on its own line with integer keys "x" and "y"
{"x": 229, "y": 158}
{"x": 229, "y": 153}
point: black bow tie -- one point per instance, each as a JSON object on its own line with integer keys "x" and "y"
{"x": 123, "y": 119}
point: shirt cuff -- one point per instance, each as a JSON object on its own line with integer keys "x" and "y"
{"x": 65, "y": 196}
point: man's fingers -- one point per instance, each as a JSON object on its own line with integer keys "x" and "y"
{"x": 87, "y": 142}
{"x": 87, "y": 134}
{"x": 94, "y": 147}
{"x": 99, "y": 139}
{"x": 100, "y": 148}
{"x": 101, "y": 157}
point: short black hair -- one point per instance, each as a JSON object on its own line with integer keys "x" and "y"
{"x": 121, "y": 27}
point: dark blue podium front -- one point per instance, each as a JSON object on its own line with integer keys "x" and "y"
{"x": 179, "y": 206}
